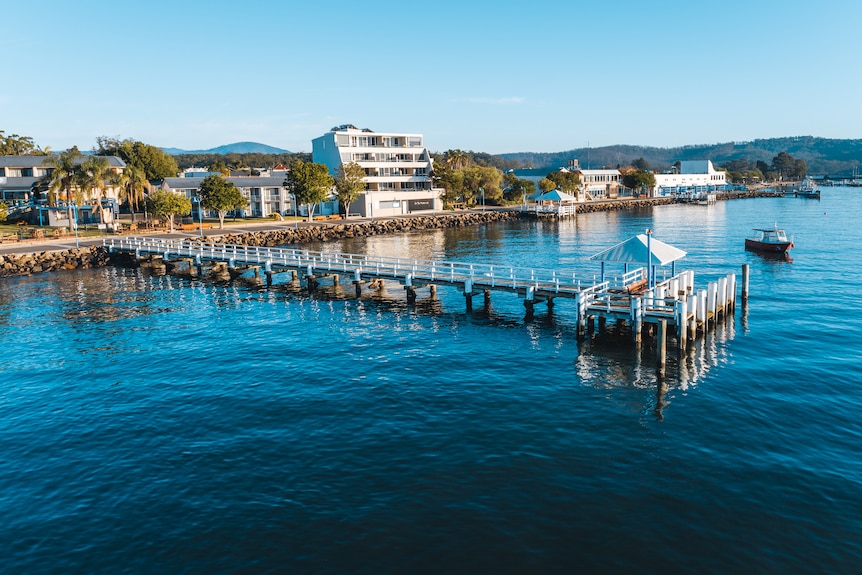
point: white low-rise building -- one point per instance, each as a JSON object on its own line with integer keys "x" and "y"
{"x": 265, "y": 195}
{"x": 599, "y": 184}
{"x": 695, "y": 176}
{"x": 397, "y": 169}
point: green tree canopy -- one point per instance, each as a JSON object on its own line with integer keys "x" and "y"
{"x": 15, "y": 145}
{"x": 515, "y": 189}
{"x": 93, "y": 177}
{"x": 639, "y": 180}
{"x": 310, "y": 183}
{"x": 218, "y": 194}
{"x": 349, "y": 184}
{"x": 451, "y": 181}
{"x": 641, "y": 164}
{"x": 166, "y": 204}
{"x": 62, "y": 177}
{"x": 567, "y": 182}
{"x": 155, "y": 163}
{"x": 132, "y": 183}
{"x": 482, "y": 182}
{"x": 547, "y": 184}
{"x": 4, "y": 211}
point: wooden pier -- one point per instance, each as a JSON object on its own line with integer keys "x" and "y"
{"x": 672, "y": 306}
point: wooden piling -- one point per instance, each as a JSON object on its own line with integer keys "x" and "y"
{"x": 661, "y": 345}
{"x": 744, "y": 285}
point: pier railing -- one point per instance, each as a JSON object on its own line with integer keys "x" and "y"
{"x": 480, "y": 276}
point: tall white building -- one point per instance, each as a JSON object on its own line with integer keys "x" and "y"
{"x": 397, "y": 169}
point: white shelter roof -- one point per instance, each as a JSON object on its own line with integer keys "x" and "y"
{"x": 634, "y": 251}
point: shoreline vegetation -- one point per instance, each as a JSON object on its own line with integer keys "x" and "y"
{"x": 35, "y": 262}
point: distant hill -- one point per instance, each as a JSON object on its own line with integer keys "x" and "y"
{"x": 236, "y": 148}
{"x": 822, "y": 155}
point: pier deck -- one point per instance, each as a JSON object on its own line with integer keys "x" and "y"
{"x": 672, "y": 302}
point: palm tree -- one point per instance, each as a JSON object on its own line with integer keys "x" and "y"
{"x": 132, "y": 183}
{"x": 64, "y": 169}
{"x": 457, "y": 159}
{"x": 93, "y": 180}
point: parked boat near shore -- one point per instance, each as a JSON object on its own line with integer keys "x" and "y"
{"x": 807, "y": 189}
{"x": 769, "y": 240}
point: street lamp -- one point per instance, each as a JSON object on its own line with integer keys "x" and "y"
{"x": 75, "y": 223}
{"x": 197, "y": 200}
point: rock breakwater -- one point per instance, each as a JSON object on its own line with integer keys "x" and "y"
{"x": 28, "y": 264}
{"x": 328, "y": 232}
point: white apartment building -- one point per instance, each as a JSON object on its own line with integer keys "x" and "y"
{"x": 265, "y": 195}
{"x": 694, "y": 176}
{"x": 397, "y": 167}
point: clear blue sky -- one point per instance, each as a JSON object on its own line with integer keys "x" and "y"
{"x": 495, "y": 77}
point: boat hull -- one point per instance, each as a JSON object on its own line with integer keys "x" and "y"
{"x": 771, "y": 247}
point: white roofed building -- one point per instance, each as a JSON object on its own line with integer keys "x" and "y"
{"x": 695, "y": 176}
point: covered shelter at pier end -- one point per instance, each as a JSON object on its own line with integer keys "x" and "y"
{"x": 644, "y": 250}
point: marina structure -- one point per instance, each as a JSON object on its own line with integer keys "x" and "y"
{"x": 397, "y": 169}
{"x": 695, "y": 178}
{"x": 633, "y": 302}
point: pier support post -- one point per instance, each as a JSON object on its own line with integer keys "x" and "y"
{"x": 487, "y": 295}
{"x": 433, "y": 291}
{"x": 529, "y": 302}
{"x": 582, "y": 316}
{"x": 603, "y": 326}
{"x": 744, "y": 285}
{"x": 591, "y": 325}
{"x": 637, "y": 320}
{"x": 661, "y": 346}
{"x": 468, "y": 295}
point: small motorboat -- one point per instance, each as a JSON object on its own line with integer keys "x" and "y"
{"x": 771, "y": 240}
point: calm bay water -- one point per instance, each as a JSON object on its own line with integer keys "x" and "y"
{"x": 157, "y": 425}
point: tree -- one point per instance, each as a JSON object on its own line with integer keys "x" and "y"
{"x": 15, "y": 145}
{"x": 3, "y": 211}
{"x": 132, "y": 183}
{"x": 452, "y": 182}
{"x": 566, "y": 181}
{"x": 164, "y": 203}
{"x": 482, "y": 182}
{"x": 515, "y": 189}
{"x": 641, "y": 164}
{"x": 220, "y": 167}
{"x": 218, "y": 194}
{"x": 92, "y": 178}
{"x": 155, "y": 162}
{"x": 63, "y": 174}
{"x": 349, "y": 184}
{"x": 639, "y": 180}
{"x": 457, "y": 159}
{"x": 547, "y": 184}
{"x": 310, "y": 183}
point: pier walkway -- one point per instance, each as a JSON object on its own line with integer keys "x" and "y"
{"x": 627, "y": 300}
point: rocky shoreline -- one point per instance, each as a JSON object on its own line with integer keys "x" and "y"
{"x": 35, "y": 263}
{"x": 83, "y": 258}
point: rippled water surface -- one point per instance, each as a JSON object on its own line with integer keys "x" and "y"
{"x": 161, "y": 425}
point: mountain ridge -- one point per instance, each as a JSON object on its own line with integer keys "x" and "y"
{"x": 234, "y": 148}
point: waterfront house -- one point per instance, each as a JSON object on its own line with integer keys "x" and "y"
{"x": 397, "y": 169}
{"x": 23, "y": 186}
{"x": 598, "y": 184}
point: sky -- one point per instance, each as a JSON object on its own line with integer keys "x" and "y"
{"x": 495, "y": 77}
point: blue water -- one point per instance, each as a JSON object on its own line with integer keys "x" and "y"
{"x": 161, "y": 425}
